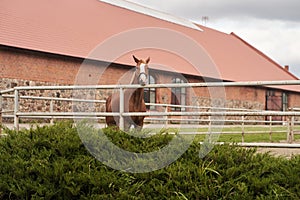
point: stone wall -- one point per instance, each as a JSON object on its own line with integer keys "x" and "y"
{"x": 231, "y": 105}
{"x": 44, "y": 105}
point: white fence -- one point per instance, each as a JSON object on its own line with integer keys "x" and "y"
{"x": 15, "y": 95}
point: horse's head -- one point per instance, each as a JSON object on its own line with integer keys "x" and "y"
{"x": 141, "y": 70}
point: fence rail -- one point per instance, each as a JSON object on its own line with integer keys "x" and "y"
{"x": 165, "y": 116}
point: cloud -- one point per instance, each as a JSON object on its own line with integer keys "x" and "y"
{"x": 277, "y": 39}
{"x": 272, "y": 26}
{"x": 268, "y": 9}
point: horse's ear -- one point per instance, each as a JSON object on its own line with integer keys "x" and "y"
{"x": 135, "y": 59}
{"x": 148, "y": 60}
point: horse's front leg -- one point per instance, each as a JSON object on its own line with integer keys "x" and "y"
{"x": 139, "y": 124}
{"x": 127, "y": 125}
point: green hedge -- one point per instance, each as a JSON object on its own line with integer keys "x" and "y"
{"x": 52, "y": 163}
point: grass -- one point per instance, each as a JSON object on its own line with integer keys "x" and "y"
{"x": 234, "y": 133}
{"x": 233, "y": 138}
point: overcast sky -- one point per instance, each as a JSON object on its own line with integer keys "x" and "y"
{"x": 272, "y": 26}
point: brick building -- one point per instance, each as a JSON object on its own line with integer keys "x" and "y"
{"x": 54, "y": 43}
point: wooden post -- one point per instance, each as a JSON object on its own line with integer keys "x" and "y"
{"x": 289, "y": 130}
{"x": 270, "y": 126}
{"x": 243, "y": 129}
{"x": 210, "y": 129}
{"x": 166, "y": 116}
{"x": 292, "y": 128}
{"x": 121, "y": 120}
{"x": 51, "y": 111}
{"x": 1, "y": 101}
{"x": 16, "y": 109}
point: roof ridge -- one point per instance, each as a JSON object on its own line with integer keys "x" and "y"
{"x": 152, "y": 12}
{"x": 264, "y": 55}
{"x": 204, "y": 28}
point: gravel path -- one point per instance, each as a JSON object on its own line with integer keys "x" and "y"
{"x": 284, "y": 152}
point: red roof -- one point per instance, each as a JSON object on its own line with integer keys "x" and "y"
{"x": 78, "y": 27}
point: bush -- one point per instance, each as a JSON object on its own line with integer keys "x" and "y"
{"x": 51, "y": 162}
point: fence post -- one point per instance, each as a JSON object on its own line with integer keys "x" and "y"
{"x": 243, "y": 129}
{"x": 121, "y": 120}
{"x": 288, "y": 128}
{"x": 289, "y": 133}
{"x": 210, "y": 128}
{"x": 51, "y": 111}
{"x": 270, "y": 126}
{"x": 1, "y": 107}
{"x": 166, "y": 116}
{"x": 292, "y": 129}
{"x": 16, "y": 109}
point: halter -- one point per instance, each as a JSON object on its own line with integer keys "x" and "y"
{"x": 142, "y": 72}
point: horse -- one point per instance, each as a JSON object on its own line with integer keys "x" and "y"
{"x": 133, "y": 99}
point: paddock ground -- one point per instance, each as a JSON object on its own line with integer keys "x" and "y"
{"x": 284, "y": 152}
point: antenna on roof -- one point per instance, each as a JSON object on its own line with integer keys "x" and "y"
{"x": 205, "y": 20}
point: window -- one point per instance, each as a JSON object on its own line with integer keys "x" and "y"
{"x": 178, "y": 96}
{"x": 150, "y": 94}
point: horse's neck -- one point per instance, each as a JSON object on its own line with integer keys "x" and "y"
{"x": 134, "y": 79}
{"x": 137, "y": 94}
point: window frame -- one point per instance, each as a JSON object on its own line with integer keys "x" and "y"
{"x": 178, "y": 95}
{"x": 150, "y": 93}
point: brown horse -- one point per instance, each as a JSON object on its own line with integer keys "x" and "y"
{"x": 133, "y": 99}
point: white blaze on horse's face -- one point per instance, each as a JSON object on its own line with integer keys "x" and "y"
{"x": 143, "y": 75}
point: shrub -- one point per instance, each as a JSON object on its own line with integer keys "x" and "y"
{"x": 51, "y": 162}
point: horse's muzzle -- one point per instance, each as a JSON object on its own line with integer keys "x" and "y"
{"x": 143, "y": 79}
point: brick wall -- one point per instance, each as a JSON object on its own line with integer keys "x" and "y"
{"x": 28, "y": 65}
{"x": 294, "y": 100}
{"x": 42, "y": 67}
